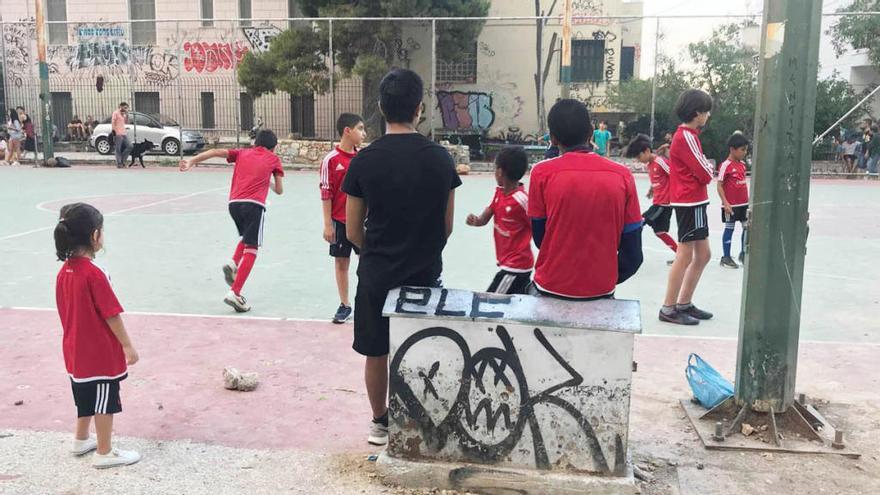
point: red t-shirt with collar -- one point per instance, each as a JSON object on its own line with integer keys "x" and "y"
{"x": 333, "y": 169}
{"x": 513, "y": 230}
{"x": 85, "y": 301}
{"x": 658, "y": 172}
{"x": 250, "y": 177}
{"x": 689, "y": 170}
{"x": 732, "y": 176}
{"x": 587, "y": 201}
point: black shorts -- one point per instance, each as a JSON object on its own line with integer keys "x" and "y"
{"x": 693, "y": 223}
{"x": 658, "y": 218}
{"x": 371, "y": 337}
{"x": 342, "y": 248}
{"x": 96, "y": 397}
{"x": 740, "y": 214}
{"x": 506, "y": 282}
{"x": 249, "y": 219}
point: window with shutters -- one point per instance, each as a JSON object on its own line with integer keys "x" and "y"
{"x": 587, "y": 60}
{"x": 244, "y": 12}
{"x": 627, "y": 62}
{"x": 143, "y": 30}
{"x": 207, "y": 101}
{"x": 207, "y": 13}
{"x": 56, "y": 10}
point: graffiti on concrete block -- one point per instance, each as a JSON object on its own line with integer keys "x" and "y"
{"x": 261, "y": 37}
{"x": 466, "y": 110}
{"x": 589, "y": 12}
{"x": 202, "y": 56}
{"x": 18, "y": 38}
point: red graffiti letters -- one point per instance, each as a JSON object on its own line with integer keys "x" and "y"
{"x": 209, "y": 57}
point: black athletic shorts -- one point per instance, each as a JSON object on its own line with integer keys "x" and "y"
{"x": 506, "y": 282}
{"x": 342, "y": 248}
{"x": 740, "y": 214}
{"x": 371, "y": 336}
{"x": 658, "y": 218}
{"x": 96, "y": 397}
{"x": 533, "y": 290}
{"x": 693, "y": 223}
{"x": 249, "y": 219}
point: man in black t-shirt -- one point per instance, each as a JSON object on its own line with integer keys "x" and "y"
{"x": 407, "y": 183}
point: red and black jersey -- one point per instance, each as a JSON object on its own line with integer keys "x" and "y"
{"x": 254, "y": 167}
{"x": 588, "y": 202}
{"x": 658, "y": 172}
{"x": 513, "y": 230}
{"x": 732, "y": 176}
{"x": 333, "y": 170}
{"x": 85, "y": 301}
{"x": 689, "y": 170}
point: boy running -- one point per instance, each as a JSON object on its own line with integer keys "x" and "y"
{"x": 733, "y": 188}
{"x": 351, "y": 135}
{"x": 513, "y": 231}
{"x": 660, "y": 213}
{"x": 247, "y": 204}
{"x": 689, "y": 174}
{"x": 585, "y": 214}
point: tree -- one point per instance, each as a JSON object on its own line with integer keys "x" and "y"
{"x": 294, "y": 63}
{"x": 834, "y": 97}
{"x": 858, "y": 32}
{"x": 635, "y": 96}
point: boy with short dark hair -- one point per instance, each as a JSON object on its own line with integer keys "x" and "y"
{"x": 333, "y": 169}
{"x": 513, "y": 230}
{"x": 601, "y": 138}
{"x": 585, "y": 214}
{"x": 689, "y": 173}
{"x": 733, "y": 189}
{"x": 658, "y": 216}
{"x": 407, "y": 183}
{"x": 247, "y": 205}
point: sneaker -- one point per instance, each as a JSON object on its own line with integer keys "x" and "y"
{"x": 679, "y": 318}
{"x": 116, "y": 457}
{"x": 742, "y": 258}
{"x": 238, "y": 303}
{"x": 83, "y": 447}
{"x": 229, "y": 272}
{"x": 15, "y": 164}
{"x": 694, "y": 312}
{"x": 727, "y": 262}
{"x": 4, "y": 163}
{"x": 378, "y": 434}
{"x": 343, "y": 313}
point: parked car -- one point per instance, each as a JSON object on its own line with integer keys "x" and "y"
{"x": 162, "y": 130}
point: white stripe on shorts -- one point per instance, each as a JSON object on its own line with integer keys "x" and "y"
{"x": 505, "y": 284}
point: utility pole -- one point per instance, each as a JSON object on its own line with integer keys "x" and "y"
{"x": 45, "y": 99}
{"x": 654, "y": 79}
{"x": 566, "y": 48}
{"x": 771, "y": 302}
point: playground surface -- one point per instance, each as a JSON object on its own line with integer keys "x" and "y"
{"x": 303, "y": 430}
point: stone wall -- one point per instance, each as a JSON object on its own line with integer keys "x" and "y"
{"x": 308, "y": 154}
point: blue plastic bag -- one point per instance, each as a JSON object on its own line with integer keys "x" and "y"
{"x": 708, "y": 386}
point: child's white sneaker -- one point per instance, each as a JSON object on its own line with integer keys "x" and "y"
{"x": 83, "y": 447}
{"x": 116, "y": 457}
{"x": 239, "y": 303}
{"x": 229, "y": 272}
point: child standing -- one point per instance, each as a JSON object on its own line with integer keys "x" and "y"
{"x": 733, "y": 188}
{"x": 601, "y": 137}
{"x": 689, "y": 173}
{"x": 96, "y": 346}
{"x": 247, "y": 205}
{"x": 333, "y": 169}
{"x": 658, "y": 216}
{"x": 513, "y": 230}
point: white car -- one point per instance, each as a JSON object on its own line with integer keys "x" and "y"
{"x": 163, "y": 132}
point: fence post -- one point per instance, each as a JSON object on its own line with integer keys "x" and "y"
{"x": 131, "y": 80}
{"x": 433, "y": 71}
{"x": 654, "y": 78}
{"x": 5, "y": 67}
{"x": 236, "y": 92}
{"x": 179, "y": 91}
{"x": 45, "y": 115}
{"x": 332, "y": 75}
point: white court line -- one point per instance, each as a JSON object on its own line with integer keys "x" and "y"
{"x": 125, "y": 210}
{"x": 314, "y": 320}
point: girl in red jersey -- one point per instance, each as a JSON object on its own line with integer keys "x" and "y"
{"x": 97, "y": 349}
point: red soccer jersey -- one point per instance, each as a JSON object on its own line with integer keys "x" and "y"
{"x": 333, "y": 170}
{"x": 588, "y": 202}
{"x": 733, "y": 180}
{"x": 513, "y": 230}
{"x": 85, "y": 301}
{"x": 689, "y": 170}
{"x": 250, "y": 178}
{"x": 658, "y": 171}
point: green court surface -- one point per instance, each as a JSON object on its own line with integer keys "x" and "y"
{"x": 168, "y": 233}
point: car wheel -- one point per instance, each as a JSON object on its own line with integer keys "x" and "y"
{"x": 102, "y": 144}
{"x": 171, "y": 146}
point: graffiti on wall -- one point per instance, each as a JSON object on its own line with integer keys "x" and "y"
{"x": 610, "y": 64}
{"x": 260, "y": 37}
{"x": 18, "y": 39}
{"x": 465, "y": 110}
{"x": 589, "y": 12}
{"x": 201, "y": 56}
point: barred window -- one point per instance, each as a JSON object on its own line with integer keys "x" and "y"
{"x": 460, "y": 70}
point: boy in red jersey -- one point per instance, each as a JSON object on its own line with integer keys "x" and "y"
{"x": 660, "y": 213}
{"x": 333, "y": 169}
{"x": 689, "y": 174}
{"x": 585, "y": 214}
{"x": 513, "y": 231}
{"x": 247, "y": 205}
{"x": 733, "y": 188}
